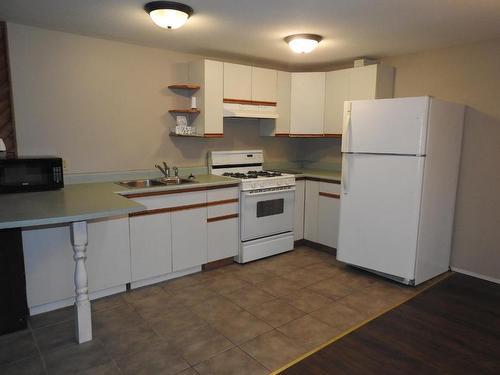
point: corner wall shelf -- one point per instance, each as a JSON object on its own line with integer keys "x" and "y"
{"x": 186, "y": 86}
{"x": 186, "y": 110}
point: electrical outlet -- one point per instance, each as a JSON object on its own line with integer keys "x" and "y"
{"x": 65, "y": 164}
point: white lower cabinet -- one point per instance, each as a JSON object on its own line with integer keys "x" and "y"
{"x": 321, "y": 215}
{"x": 328, "y": 213}
{"x": 311, "y": 211}
{"x": 150, "y": 245}
{"x": 298, "y": 227}
{"x": 189, "y": 238}
{"x": 50, "y": 267}
{"x": 223, "y": 238}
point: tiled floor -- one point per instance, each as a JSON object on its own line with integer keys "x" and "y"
{"x": 240, "y": 319}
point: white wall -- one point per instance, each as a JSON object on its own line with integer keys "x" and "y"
{"x": 103, "y": 105}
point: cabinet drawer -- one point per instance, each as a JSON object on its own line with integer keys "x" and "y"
{"x": 329, "y": 188}
{"x": 222, "y": 210}
{"x": 222, "y": 194}
{"x": 172, "y": 200}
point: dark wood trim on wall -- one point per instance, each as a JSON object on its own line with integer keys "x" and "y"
{"x": 213, "y": 135}
{"x": 322, "y": 180}
{"x": 329, "y": 195}
{"x": 7, "y": 126}
{"x": 248, "y": 102}
{"x": 220, "y": 218}
{"x": 187, "y": 190}
{"x": 225, "y": 201}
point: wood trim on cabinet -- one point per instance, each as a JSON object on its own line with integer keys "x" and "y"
{"x": 332, "y": 135}
{"x": 186, "y": 207}
{"x": 329, "y": 195}
{"x": 295, "y": 135}
{"x": 213, "y": 135}
{"x": 248, "y": 102}
{"x": 186, "y": 86}
{"x": 323, "y": 180}
{"x": 300, "y": 178}
{"x": 281, "y": 135}
{"x": 187, "y": 190}
{"x": 220, "y": 218}
{"x": 225, "y": 201}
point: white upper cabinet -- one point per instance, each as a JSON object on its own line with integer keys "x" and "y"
{"x": 367, "y": 82}
{"x": 264, "y": 84}
{"x": 237, "y": 81}
{"x": 307, "y": 104}
{"x": 243, "y": 82}
{"x": 209, "y": 75}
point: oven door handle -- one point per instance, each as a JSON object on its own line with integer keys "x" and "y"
{"x": 250, "y": 194}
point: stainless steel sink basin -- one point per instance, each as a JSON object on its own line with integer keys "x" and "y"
{"x": 147, "y": 183}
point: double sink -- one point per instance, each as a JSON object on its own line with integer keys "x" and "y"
{"x": 154, "y": 182}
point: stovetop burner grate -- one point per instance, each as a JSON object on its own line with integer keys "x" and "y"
{"x": 252, "y": 174}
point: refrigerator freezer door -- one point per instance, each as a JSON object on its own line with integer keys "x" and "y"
{"x": 379, "y": 212}
{"x": 386, "y": 126}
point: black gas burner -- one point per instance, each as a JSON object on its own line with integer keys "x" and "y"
{"x": 252, "y": 174}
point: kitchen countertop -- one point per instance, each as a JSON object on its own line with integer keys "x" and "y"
{"x": 334, "y": 176}
{"x": 79, "y": 202}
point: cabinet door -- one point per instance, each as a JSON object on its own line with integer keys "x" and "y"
{"x": 336, "y": 92}
{"x": 311, "y": 211}
{"x": 307, "y": 103}
{"x": 264, "y": 84}
{"x": 237, "y": 81}
{"x": 189, "y": 238}
{"x": 363, "y": 83}
{"x": 298, "y": 228}
{"x": 150, "y": 245}
{"x": 48, "y": 258}
{"x": 223, "y": 239}
{"x": 328, "y": 214}
{"x": 284, "y": 87}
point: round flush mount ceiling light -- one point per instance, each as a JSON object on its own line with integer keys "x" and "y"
{"x": 168, "y": 14}
{"x": 303, "y": 43}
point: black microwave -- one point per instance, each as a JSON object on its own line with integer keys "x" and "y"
{"x": 20, "y": 174}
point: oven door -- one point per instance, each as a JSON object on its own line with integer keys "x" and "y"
{"x": 268, "y": 212}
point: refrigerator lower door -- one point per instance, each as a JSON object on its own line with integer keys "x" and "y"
{"x": 386, "y": 126}
{"x": 379, "y": 212}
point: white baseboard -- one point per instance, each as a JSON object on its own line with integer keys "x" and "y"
{"x": 35, "y": 310}
{"x": 473, "y": 274}
{"x": 168, "y": 276}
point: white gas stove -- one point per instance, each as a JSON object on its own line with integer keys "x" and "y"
{"x": 266, "y": 203}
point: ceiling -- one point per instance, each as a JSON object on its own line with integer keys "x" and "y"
{"x": 253, "y": 30}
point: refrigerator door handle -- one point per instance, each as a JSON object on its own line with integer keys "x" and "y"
{"x": 346, "y": 127}
{"x": 345, "y": 173}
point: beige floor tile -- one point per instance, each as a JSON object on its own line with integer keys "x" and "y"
{"x": 216, "y": 308}
{"x": 253, "y": 275}
{"x": 135, "y": 295}
{"x": 153, "y": 359}
{"x": 368, "y": 303}
{"x": 226, "y": 283}
{"x": 179, "y": 283}
{"x": 231, "y": 362}
{"x": 304, "y": 277}
{"x": 175, "y": 323}
{"x": 241, "y": 327}
{"x": 356, "y": 279}
{"x": 199, "y": 344}
{"x": 331, "y": 288}
{"x": 340, "y": 316}
{"x": 156, "y": 306}
{"x": 278, "y": 286}
{"x": 309, "y": 332}
{"x": 306, "y": 300}
{"x": 273, "y": 349}
{"x": 250, "y": 296}
{"x": 188, "y": 371}
{"x": 276, "y": 312}
{"x": 192, "y": 295}
{"x": 325, "y": 270}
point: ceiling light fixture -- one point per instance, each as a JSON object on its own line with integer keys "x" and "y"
{"x": 168, "y": 14}
{"x": 303, "y": 43}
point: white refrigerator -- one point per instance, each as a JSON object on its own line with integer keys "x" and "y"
{"x": 400, "y": 164}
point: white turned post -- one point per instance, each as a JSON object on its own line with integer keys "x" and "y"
{"x": 83, "y": 318}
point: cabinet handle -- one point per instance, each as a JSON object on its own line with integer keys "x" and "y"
{"x": 329, "y": 195}
{"x": 220, "y": 218}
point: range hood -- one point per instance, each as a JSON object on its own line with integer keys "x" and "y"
{"x": 250, "y": 110}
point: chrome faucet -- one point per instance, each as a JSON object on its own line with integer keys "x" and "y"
{"x": 165, "y": 170}
{"x": 176, "y": 171}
